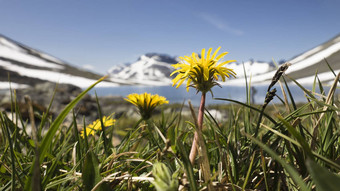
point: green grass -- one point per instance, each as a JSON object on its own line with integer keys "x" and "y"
{"x": 297, "y": 147}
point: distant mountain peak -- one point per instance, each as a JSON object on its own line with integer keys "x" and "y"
{"x": 150, "y": 68}
{"x": 159, "y": 57}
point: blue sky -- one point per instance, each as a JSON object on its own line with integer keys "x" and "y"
{"x": 104, "y": 33}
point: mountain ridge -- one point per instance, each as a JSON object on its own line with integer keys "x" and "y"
{"x": 24, "y": 66}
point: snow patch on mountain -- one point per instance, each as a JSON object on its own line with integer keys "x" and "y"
{"x": 325, "y": 76}
{"x": 250, "y": 67}
{"x": 8, "y": 85}
{"x": 12, "y": 51}
{"x": 53, "y": 76}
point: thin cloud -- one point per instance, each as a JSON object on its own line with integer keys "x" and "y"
{"x": 88, "y": 67}
{"x": 220, "y": 24}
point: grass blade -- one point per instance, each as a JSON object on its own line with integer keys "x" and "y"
{"x": 291, "y": 171}
{"x": 47, "y": 140}
{"x": 249, "y": 106}
{"x": 91, "y": 174}
{"x": 11, "y": 151}
{"x": 57, "y": 122}
{"x": 187, "y": 164}
{"x": 323, "y": 179}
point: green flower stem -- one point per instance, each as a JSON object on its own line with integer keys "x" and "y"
{"x": 193, "y": 151}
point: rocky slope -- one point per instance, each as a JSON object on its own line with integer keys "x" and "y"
{"x": 41, "y": 95}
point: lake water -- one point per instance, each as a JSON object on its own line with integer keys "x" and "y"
{"x": 180, "y": 94}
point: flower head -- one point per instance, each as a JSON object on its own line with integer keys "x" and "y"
{"x": 97, "y": 126}
{"x": 202, "y": 72}
{"x": 146, "y": 103}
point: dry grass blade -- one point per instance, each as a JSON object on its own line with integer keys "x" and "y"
{"x": 36, "y": 181}
{"x": 328, "y": 102}
{"x": 31, "y": 116}
{"x": 284, "y": 97}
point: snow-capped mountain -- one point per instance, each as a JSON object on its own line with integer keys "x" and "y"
{"x": 155, "y": 69}
{"x": 25, "y": 66}
{"x": 306, "y": 65}
{"x": 149, "y": 69}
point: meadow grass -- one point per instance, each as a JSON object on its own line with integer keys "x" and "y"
{"x": 285, "y": 146}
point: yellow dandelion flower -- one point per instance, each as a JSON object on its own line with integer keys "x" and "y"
{"x": 97, "y": 126}
{"x": 146, "y": 103}
{"x": 202, "y": 72}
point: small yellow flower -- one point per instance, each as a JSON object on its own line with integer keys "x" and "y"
{"x": 202, "y": 72}
{"x": 97, "y": 126}
{"x": 146, "y": 103}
